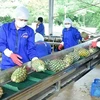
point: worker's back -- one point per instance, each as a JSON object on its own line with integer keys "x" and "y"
{"x": 43, "y": 48}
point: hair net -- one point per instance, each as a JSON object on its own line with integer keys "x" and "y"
{"x": 68, "y": 20}
{"x": 38, "y": 37}
{"x": 21, "y": 12}
{"x": 40, "y": 19}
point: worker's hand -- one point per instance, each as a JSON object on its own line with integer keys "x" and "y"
{"x": 94, "y": 44}
{"x": 86, "y": 38}
{"x": 16, "y": 59}
{"x": 28, "y": 66}
{"x": 33, "y": 60}
{"x": 60, "y": 47}
{"x": 37, "y": 25}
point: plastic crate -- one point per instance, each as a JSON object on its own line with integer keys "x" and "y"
{"x": 95, "y": 88}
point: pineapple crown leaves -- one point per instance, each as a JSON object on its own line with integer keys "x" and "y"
{"x": 24, "y": 66}
{"x": 47, "y": 62}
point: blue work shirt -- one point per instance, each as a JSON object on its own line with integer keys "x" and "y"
{"x": 43, "y": 48}
{"x": 70, "y": 37}
{"x": 40, "y": 29}
{"x": 19, "y": 41}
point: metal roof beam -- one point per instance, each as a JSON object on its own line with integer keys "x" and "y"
{"x": 51, "y": 9}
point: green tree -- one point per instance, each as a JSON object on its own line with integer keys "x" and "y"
{"x": 82, "y": 12}
{"x": 5, "y": 19}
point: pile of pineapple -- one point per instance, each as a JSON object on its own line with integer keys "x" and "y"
{"x": 20, "y": 74}
{"x": 78, "y": 53}
{"x": 55, "y": 65}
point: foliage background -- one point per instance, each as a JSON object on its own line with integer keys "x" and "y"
{"x": 82, "y": 12}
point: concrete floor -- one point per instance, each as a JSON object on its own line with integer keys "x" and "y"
{"x": 79, "y": 90}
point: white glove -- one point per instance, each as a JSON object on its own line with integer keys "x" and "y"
{"x": 7, "y": 52}
{"x": 34, "y": 58}
{"x": 62, "y": 43}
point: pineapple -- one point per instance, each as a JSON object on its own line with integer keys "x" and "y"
{"x": 1, "y": 92}
{"x": 77, "y": 49}
{"x": 56, "y": 65}
{"x": 92, "y": 50}
{"x": 38, "y": 65}
{"x": 83, "y": 52}
{"x": 19, "y": 75}
{"x": 75, "y": 56}
{"x": 68, "y": 59}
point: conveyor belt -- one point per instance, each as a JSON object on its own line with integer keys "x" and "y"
{"x": 11, "y": 88}
{"x": 38, "y": 83}
{"x": 79, "y": 90}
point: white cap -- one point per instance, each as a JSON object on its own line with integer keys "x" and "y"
{"x": 68, "y": 20}
{"x": 38, "y": 37}
{"x": 21, "y": 12}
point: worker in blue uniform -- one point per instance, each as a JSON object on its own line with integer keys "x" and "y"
{"x": 17, "y": 40}
{"x": 40, "y": 26}
{"x": 42, "y": 48}
{"x": 70, "y": 35}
